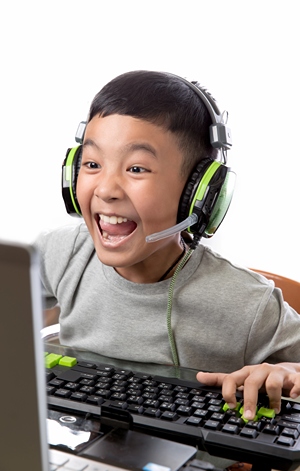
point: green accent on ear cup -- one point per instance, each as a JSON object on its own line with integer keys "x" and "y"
{"x": 204, "y": 183}
{"x": 222, "y": 204}
{"x": 69, "y": 177}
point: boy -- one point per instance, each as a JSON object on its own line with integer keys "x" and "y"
{"x": 146, "y": 146}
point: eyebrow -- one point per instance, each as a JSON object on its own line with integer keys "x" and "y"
{"x": 136, "y": 146}
{"x": 90, "y": 142}
{"x": 133, "y": 147}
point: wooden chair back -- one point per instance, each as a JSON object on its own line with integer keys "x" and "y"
{"x": 290, "y": 288}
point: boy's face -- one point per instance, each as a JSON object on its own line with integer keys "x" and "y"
{"x": 129, "y": 186}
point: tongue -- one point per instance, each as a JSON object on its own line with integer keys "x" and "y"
{"x": 123, "y": 229}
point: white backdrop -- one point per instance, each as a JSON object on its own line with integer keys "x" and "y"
{"x": 56, "y": 55}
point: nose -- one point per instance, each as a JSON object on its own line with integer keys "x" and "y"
{"x": 109, "y": 187}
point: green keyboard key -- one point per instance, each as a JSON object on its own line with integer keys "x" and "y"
{"x": 241, "y": 411}
{"x": 67, "y": 361}
{"x": 265, "y": 412}
{"x": 52, "y": 359}
{"x": 236, "y": 408}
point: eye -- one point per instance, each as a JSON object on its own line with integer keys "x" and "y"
{"x": 91, "y": 165}
{"x": 137, "y": 169}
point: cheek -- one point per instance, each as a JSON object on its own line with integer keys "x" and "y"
{"x": 82, "y": 191}
{"x": 161, "y": 205}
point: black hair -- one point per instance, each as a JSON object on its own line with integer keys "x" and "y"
{"x": 165, "y": 100}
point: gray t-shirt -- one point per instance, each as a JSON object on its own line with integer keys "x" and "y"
{"x": 223, "y": 316}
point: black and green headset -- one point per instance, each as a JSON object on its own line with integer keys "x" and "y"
{"x": 208, "y": 190}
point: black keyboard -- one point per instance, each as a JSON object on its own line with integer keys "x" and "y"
{"x": 177, "y": 409}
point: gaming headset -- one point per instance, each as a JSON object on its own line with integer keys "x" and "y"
{"x": 209, "y": 189}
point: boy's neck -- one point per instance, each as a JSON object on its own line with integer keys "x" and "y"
{"x": 158, "y": 267}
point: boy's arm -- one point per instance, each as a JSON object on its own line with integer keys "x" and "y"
{"x": 275, "y": 380}
{"x": 51, "y": 316}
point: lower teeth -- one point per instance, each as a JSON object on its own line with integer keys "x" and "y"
{"x": 109, "y": 237}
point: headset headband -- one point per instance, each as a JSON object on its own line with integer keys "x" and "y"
{"x": 219, "y": 132}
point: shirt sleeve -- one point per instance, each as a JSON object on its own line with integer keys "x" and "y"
{"x": 275, "y": 333}
{"x": 56, "y": 249}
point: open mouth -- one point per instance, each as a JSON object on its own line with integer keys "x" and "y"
{"x": 115, "y": 228}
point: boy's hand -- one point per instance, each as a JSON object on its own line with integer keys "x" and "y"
{"x": 275, "y": 380}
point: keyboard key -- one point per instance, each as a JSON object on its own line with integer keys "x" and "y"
{"x": 78, "y": 396}
{"x": 135, "y": 408}
{"x": 89, "y": 390}
{"x": 271, "y": 429}
{"x": 96, "y": 400}
{"x": 290, "y": 432}
{"x": 165, "y": 399}
{"x": 286, "y": 441}
{"x": 167, "y": 415}
{"x": 196, "y": 421}
{"x": 236, "y": 421}
{"x": 292, "y": 418}
{"x": 230, "y": 428}
{"x": 201, "y": 413}
{"x": 288, "y": 424}
{"x": 265, "y": 412}
{"x": 218, "y": 416}
{"x": 72, "y": 386}
{"x": 248, "y": 432}
{"x": 51, "y": 360}
{"x": 67, "y": 361}
{"x": 184, "y": 410}
{"x": 105, "y": 393}
{"x": 63, "y": 393}
{"x": 49, "y": 375}
{"x": 181, "y": 402}
{"x": 135, "y": 400}
{"x": 254, "y": 424}
{"x": 58, "y": 383}
{"x": 153, "y": 412}
{"x": 87, "y": 382}
{"x": 167, "y": 406}
{"x": 212, "y": 424}
{"x": 151, "y": 403}
{"x": 87, "y": 364}
{"x": 118, "y": 396}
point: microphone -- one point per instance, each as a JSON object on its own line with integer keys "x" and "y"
{"x": 181, "y": 226}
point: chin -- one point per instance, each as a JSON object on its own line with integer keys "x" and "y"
{"x": 111, "y": 258}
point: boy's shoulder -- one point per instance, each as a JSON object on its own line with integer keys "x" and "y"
{"x": 229, "y": 270}
{"x": 64, "y": 241}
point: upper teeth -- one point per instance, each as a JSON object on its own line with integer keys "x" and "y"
{"x": 112, "y": 219}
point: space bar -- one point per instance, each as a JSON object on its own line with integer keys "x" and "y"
{"x": 66, "y": 404}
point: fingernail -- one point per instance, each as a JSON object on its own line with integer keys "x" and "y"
{"x": 248, "y": 414}
{"x": 231, "y": 405}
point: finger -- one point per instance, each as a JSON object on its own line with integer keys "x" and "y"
{"x": 211, "y": 379}
{"x": 232, "y": 383}
{"x": 252, "y": 385}
{"x": 219, "y": 379}
{"x": 282, "y": 379}
{"x": 274, "y": 385}
{"x": 295, "y": 391}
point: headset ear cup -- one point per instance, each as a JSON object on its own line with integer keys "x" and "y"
{"x": 70, "y": 171}
{"x": 208, "y": 193}
{"x": 191, "y": 188}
